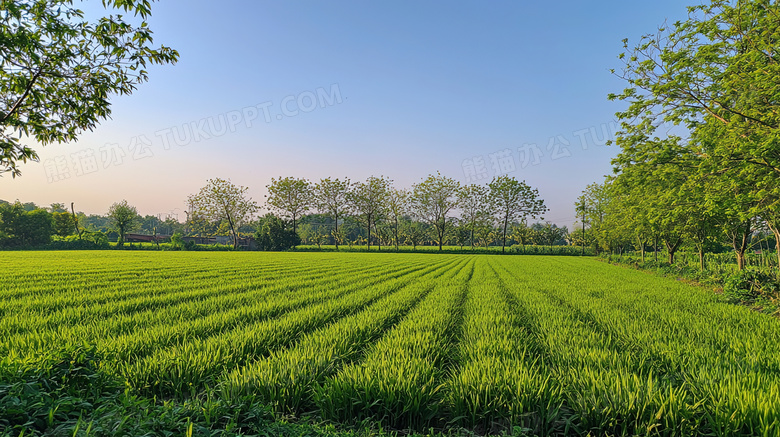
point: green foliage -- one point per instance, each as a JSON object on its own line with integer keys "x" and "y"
{"x": 178, "y": 243}
{"x": 124, "y": 219}
{"x": 476, "y": 209}
{"x": 513, "y": 201}
{"x": 20, "y": 227}
{"x": 87, "y": 241}
{"x": 750, "y": 285}
{"x": 332, "y": 198}
{"x": 433, "y": 200}
{"x": 274, "y": 236}
{"x": 716, "y": 175}
{"x": 292, "y": 197}
{"x": 64, "y": 69}
{"x": 368, "y": 202}
{"x": 221, "y": 200}
{"x": 313, "y": 234}
{"x": 63, "y": 223}
{"x": 413, "y": 233}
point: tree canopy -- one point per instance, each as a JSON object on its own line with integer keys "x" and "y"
{"x": 291, "y": 197}
{"x": 513, "y": 200}
{"x": 60, "y": 70}
{"x": 716, "y": 175}
{"x": 221, "y": 200}
{"x": 124, "y": 219}
{"x": 432, "y": 201}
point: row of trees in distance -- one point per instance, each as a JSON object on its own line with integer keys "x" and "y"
{"x": 438, "y": 210}
{"x": 377, "y": 206}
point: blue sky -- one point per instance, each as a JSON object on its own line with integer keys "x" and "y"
{"x": 401, "y": 89}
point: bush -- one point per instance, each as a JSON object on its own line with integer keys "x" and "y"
{"x": 274, "y": 236}
{"x": 177, "y": 243}
{"x": 88, "y": 241}
{"x": 750, "y": 285}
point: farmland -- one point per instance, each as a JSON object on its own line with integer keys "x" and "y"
{"x": 549, "y": 345}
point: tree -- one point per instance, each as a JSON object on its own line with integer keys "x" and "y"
{"x": 57, "y": 207}
{"x": 396, "y": 207}
{"x": 331, "y": 196}
{"x": 714, "y": 74}
{"x": 522, "y": 234}
{"x": 368, "y": 200}
{"x": 464, "y": 234}
{"x": 222, "y": 200}
{"x": 290, "y": 197}
{"x": 551, "y": 233}
{"x": 312, "y": 234}
{"x": 716, "y": 70}
{"x": 273, "y": 235}
{"x": 485, "y": 232}
{"x": 59, "y": 70}
{"x": 63, "y": 223}
{"x": 474, "y": 206}
{"x": 22, "y": 228}
{"x": 124, "y": 218}
{"x": 432, "y": 201}
{"x": 513, "y": 200}
{"x": 149, "y": 223}
{"x": 414, "y": 232}
{"x": 591, "y": 208}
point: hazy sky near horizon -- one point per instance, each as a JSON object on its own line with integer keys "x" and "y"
{"x": 315, "y": 89}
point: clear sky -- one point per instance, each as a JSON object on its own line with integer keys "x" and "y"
{"x": 353, "y": 88}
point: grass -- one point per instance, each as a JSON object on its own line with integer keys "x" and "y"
{"x": 247, "y": 343}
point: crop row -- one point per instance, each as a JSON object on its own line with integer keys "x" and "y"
{"x": 554, "y": 346}
{"x": 625, "y": 370}
{"x": 192, "y": 364}
{"x": 288, "y": 378}
{"x": 166, "y": 302}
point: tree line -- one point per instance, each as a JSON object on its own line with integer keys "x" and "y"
{"x": 388, "y": 215}
{"x": 700, "y": 137}
{"x": 438, "y": 210}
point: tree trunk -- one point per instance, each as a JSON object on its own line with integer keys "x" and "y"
{"x": 336, "y": 235}
{"x": 775, "y": 228}
{"x": 395, "y": 233}
{"x": 76, "y": 220}
{"x": 441, "y": 235}
{"x": 655, "y": 248}
{"x": 671, "y": 247}
{"x": 701, "y": 257}
{"x": 741, "y": 259}
{"x": 740, "y": 239}
{"x": 503, "y": 242}
{"x": 368, "y": 241}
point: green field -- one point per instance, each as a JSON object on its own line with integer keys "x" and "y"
{"x": 545, "y": 345}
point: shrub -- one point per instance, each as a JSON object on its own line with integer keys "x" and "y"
{"x": 87, "y": 241}
{"x": 751, "y": 284}
{"x": 274, "y": 236}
